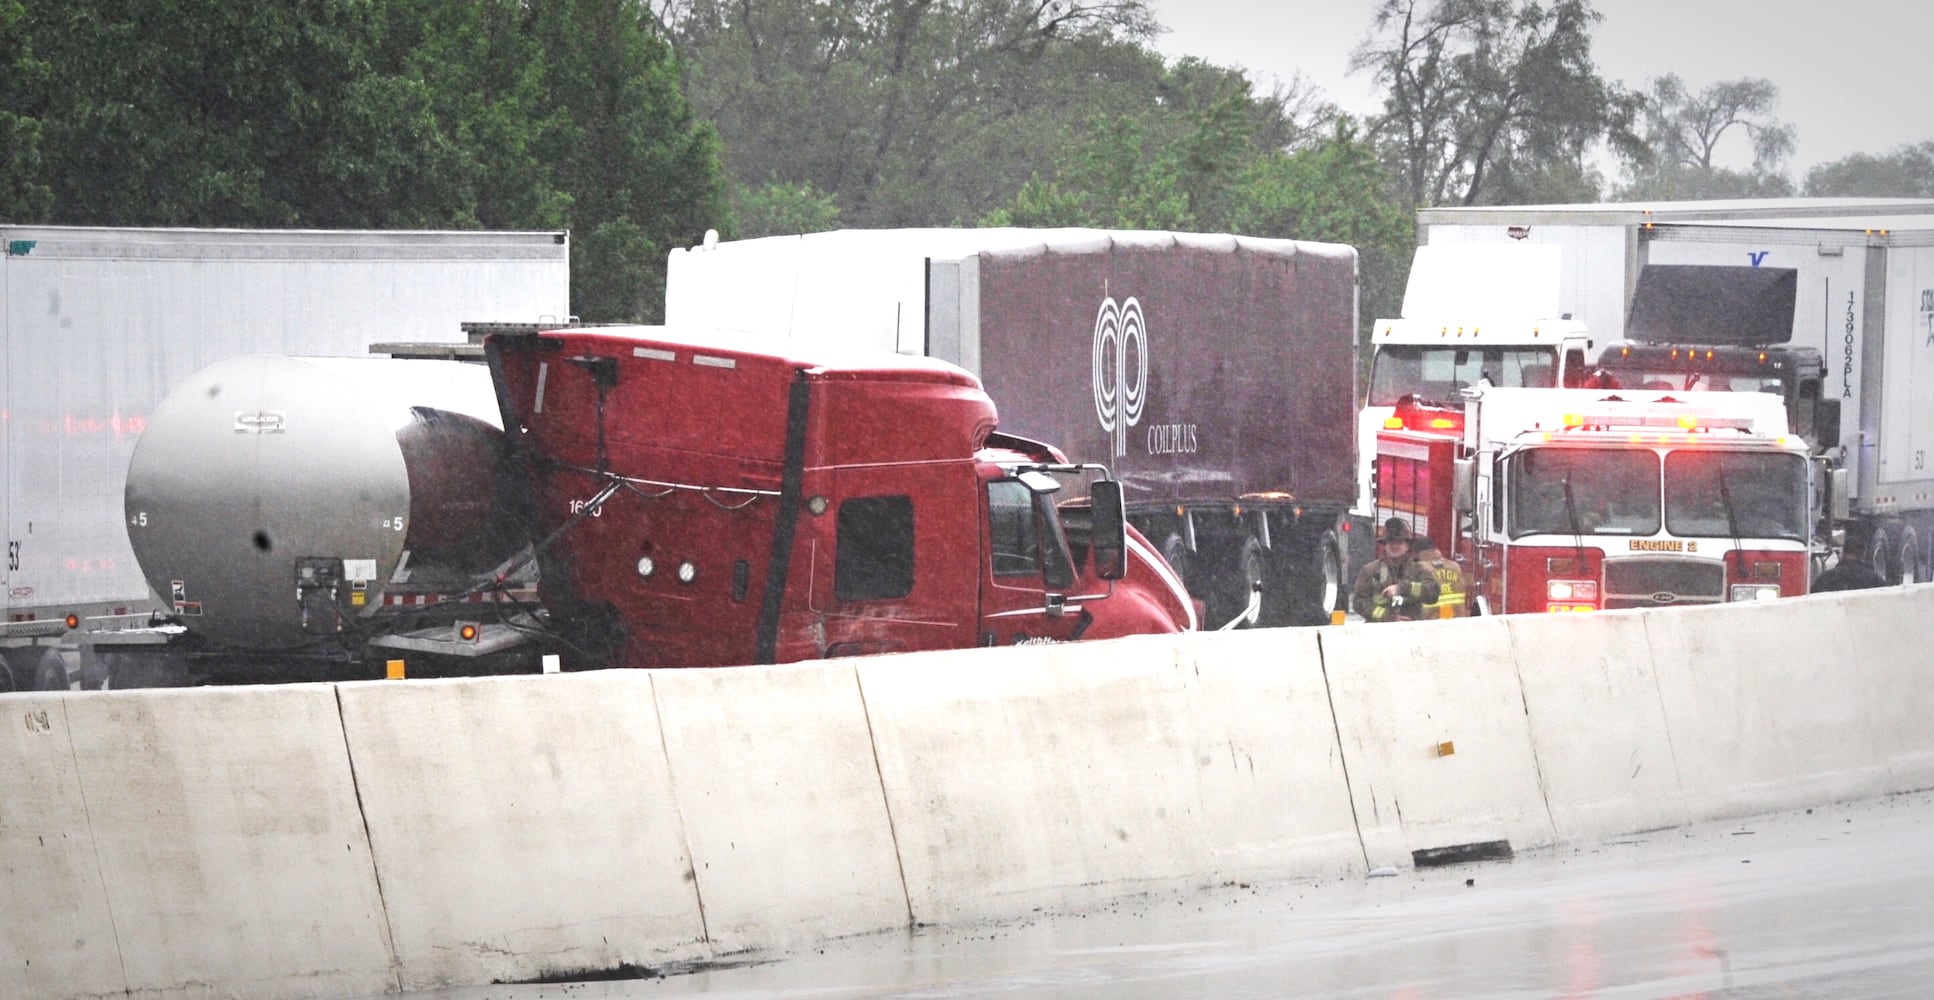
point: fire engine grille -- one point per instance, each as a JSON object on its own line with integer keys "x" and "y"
{"x": 1659, "y": 583}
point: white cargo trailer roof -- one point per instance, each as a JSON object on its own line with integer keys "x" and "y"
{"x": 1465, "y": 282}
{"x": 1892, "y": 228}
{"x": 1674, "y": 211}
{"x": 867, "y": 288}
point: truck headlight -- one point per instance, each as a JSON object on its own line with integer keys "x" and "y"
{"x": 1755, "y": 592}
{"x": 1563, "y": 596}
{"x": 1571, "y": 590}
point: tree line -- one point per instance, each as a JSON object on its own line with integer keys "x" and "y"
{"x": 639, "y": 124}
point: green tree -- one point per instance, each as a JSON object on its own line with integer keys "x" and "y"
{"x": 1681, "y": 133}
{"x": 1214, "y": 178}
{"x": 1332, "y": 191}
{"x": 176, "y": 112}
{"x": 908, "y": 112}
{"x": 779, "y": 209}
{"x": 1906, "y": 172}
{"x": 24, "y": 193}
{"x": 1111, "y": 178}
{"x": 1181, "y": 161}
{"x": 459, "y": 104}
{"x": 1490, "y": 101}
{"x": 641, "y": 169}
{"x": 366, "y": 114}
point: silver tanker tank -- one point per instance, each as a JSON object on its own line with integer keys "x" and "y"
{"x": 274, "y": 500}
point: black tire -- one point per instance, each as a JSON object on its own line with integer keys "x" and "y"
{"x": 1249, "y": 567}
{"x": 1304, "y": 581}
{"x": 1877, "y": 551}
{"x": 1212, "y": 576}
{"x": 53, "y": 673}
{"x": 1885, "y": 554}
{"x": 1907, "y": 557}
{"x": 8, "y": 683}
{"x": 1175, "y": 551}
{"x": 1328, "y": 591}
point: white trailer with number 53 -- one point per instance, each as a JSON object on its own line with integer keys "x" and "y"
{"x": 98, "y": 326}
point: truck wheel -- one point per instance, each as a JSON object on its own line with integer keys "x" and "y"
{"x": 59, "y": 670}
{"x": 1251, "y": 566}
{"x": 1907, "y": 557}
{"x": 1175, "y": 551}
{"x": 7, "y": 681}
{"x": 1305, "y": 581}
{"x": 1892, "y": 555}
{"x": 1880, "y": 553}
{"x": 1326, "y": 579}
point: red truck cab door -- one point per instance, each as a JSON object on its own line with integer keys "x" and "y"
{"x": 893, "y": 567}
{"x": 1028, "y": 570}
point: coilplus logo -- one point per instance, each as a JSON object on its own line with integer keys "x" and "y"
{"x": 1120, "y": 368}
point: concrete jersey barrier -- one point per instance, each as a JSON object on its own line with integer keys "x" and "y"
{"x": 354, "y": 839}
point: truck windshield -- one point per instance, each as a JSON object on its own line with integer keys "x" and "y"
{"x": 1682, "y": 380}
{"x": 1437, "y": 373}
{"x": 1583, "y": 491}
{"x": 1722, "y": 494}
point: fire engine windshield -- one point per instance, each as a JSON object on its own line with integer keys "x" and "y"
{"x": 1735, "y": 494}
{"x": 1437, "y": 373}
{"x": 1583, "y": 491}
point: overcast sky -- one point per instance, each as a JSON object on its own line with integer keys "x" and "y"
{"x": 1855, "y": 76}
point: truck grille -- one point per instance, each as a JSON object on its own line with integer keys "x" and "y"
{"x": 1659, "y": 583}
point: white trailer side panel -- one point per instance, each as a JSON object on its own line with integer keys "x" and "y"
{"x": 1904, "y": 473}
{"x": 97, "y": 325}
{"x": 1602, "y": 240}
{"x": 1859, "y": 303}
{"x": 1593, "y": 284}
{"x": 849, "y": 289}
{"x": 1830, "y": 308}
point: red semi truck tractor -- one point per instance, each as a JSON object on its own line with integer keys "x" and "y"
{"x": 1215, "y": 374}
{"x": 1563, "y": 500}
{"x": 704, "y": 502}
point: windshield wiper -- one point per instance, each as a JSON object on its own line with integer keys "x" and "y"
{"x": 1732, "y": 515}
{"x": 1571, "y": 512}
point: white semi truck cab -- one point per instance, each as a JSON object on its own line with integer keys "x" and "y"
{"x": 1473, "y": 316}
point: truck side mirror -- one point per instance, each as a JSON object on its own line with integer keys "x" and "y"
{"x": 1464, "y": 484}
{"x": 1108, "y": 538}
{"x": 1826, "y": 423}
{"x": 1838, "y": 506}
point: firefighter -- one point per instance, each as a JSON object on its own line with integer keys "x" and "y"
{"x": 1852, "y": 571}
{"x": 1392, "y": 588}
{"x": 1450, "y": 579}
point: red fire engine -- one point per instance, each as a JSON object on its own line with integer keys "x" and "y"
{"x": 1562, "y": 500}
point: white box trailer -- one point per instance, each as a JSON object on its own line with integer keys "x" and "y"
{"x": 97, "y": 325}
{"x": 1602, "y": 242}
{"x": 1863, "y": 299}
